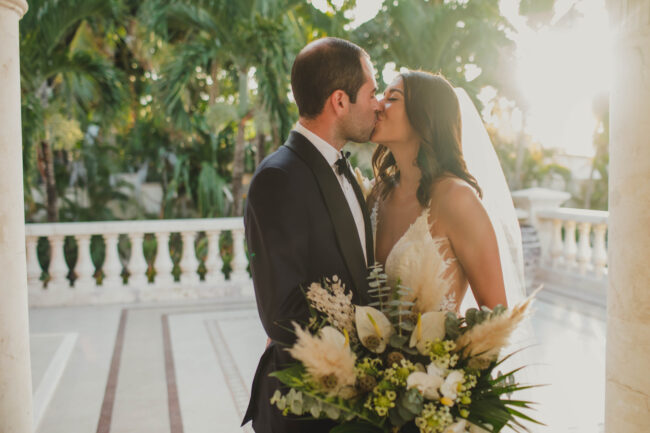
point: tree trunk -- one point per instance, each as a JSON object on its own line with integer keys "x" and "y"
{"x": 238, "y": 158}
{"x": 261, "y": 148}
{"x": 238, "y": 167}
{"x": 214, "y": 87}
{"x": 275, "y": 136}
{"x": 46, "y": 168}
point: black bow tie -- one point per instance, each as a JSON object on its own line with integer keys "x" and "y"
{"x": 342, "y": 163}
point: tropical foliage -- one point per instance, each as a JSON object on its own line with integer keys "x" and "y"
{"x": 192, "y": 94}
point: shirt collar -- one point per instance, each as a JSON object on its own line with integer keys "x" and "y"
{"x": 328, "y": 151}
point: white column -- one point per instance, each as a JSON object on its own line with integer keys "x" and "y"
{"x": 33, "y": 266}
{"x": 584, "y": 247}
{"x": 627, "y": 400}
{"x": 600, "y": 250}
{"x": 214, "y": 262}
{"x": 112, "y": 266}
{"x": 58, "y": 269}
{"x": 163, "y": 263}
{"x": 84, "y": 268}
{"x": 15, "y": 371}
{"x": 557, "y": 245}
{"x": 189, "y": 264}
{"x": 239, "y": 262}
{"x": 137, "y": 263}
{"x": 570, "y": 246}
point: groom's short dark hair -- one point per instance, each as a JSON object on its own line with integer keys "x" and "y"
{"x": 323, "y": 66}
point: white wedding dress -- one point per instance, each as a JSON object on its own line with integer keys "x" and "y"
{"x": 417, "y": 251}
{"x": 421, "y": 261}
{"x": 426, "y": 263}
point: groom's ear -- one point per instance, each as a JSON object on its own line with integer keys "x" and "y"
{"x": 339, "y": 101}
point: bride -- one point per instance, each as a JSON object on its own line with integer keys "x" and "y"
{"x": 426, "y": 200}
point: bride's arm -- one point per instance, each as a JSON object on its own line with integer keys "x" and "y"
{"x": 472, "y": 237}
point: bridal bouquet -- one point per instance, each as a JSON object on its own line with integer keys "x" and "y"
{"x": 392, "y": 367}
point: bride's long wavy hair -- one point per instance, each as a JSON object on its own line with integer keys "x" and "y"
{"x": 433, "y": 110}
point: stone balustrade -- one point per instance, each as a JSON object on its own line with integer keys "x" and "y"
{"x": 569, "y": 249}
{"x": 578, "y": 240}
{"x": 128, "y": 276}
{"x": 573, "y": 245}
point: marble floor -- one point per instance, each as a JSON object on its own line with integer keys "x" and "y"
{"x": 188, "y": 367}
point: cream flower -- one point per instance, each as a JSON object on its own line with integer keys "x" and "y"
{"x": 473, "y": 428}
{"x": 365, "y": 184}
{"x": 457, "y": 427}
{"x": 430, "y": 326}
{"x": 427, "y": 383}
{"x": 453, "y": 382}
{"x": 373, "y": 328}
{"x": 327, "y": 358}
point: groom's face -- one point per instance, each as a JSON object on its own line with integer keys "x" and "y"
{"x": 360, "y": 120}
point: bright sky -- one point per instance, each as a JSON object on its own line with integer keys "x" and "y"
{"x": 559, "y": 71}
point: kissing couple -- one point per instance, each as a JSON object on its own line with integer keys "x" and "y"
{"x": 438, "y": 190}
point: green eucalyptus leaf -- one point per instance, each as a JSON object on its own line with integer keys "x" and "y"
{"x": 396, "y": 418}
{"x": 397, "y": 341}
{"x": 356, "y": 427}
{"x": 411, "y": 401}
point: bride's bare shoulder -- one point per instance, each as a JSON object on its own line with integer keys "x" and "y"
{"x": 454, "y": 199}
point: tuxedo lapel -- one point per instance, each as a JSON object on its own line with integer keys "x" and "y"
{"x": 342, "y": 219}
{"x": 370, "y": 249}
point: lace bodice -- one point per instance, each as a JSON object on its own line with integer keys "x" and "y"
{"x": 418, "y": 261}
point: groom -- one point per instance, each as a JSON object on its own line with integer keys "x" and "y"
{"x": 305, "y": 217}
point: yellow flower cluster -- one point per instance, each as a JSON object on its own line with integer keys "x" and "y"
{"x": 397, "y": 374}
{"x": 382, "y": 402}
{"x": 368, "y": 366}
{"x": 464, "y": 398}
{"x": 434, "y": 419}
{"x": 440, "y": 353}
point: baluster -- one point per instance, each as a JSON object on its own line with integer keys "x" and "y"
{"x": 112, "y": 267}
{"x": 84, "y": 269}
{"x": 570, "y": 246}
{"x": 33, "y": 266}
{"x": 213, "y": 261}
{"x": 584, "y": 248}
{"x": 58, "y": 269}
{"x": 137, "y": 263}
{"x": 239, "y": 262}
{"x": 163, "y": 263}
{"x": 545, "y": 233}
{"x": 600, "y": 250}
{"x": 189, "y": 263}
{"x": 556, "y": 251}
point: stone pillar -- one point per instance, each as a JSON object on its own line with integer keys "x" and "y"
{"x": 15, "y": 367}
{"x": 627, "y": 406}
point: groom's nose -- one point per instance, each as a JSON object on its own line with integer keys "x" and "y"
{"x": 381, "y": 101}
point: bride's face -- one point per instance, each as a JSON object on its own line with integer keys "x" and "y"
{"x": 393, "y": 126}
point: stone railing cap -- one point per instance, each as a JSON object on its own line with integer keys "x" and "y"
{"x": 541, "y": 194}
{"x": 573, "y": 214}
{"x": 134, "y": 226}
{"x": 18, "y": 6}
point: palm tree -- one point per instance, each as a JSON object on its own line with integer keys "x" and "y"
{"x": 444, "y": 36}
{"x": 243, "y": 40}
{"x": 61, "y": 82}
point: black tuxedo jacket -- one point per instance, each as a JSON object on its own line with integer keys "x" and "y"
{"x": 299, "y": 229}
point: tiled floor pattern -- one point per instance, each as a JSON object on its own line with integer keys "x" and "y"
{"x": 188, "y": 368}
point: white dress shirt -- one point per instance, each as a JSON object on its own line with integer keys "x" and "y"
{"x": 331, "y": 155}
